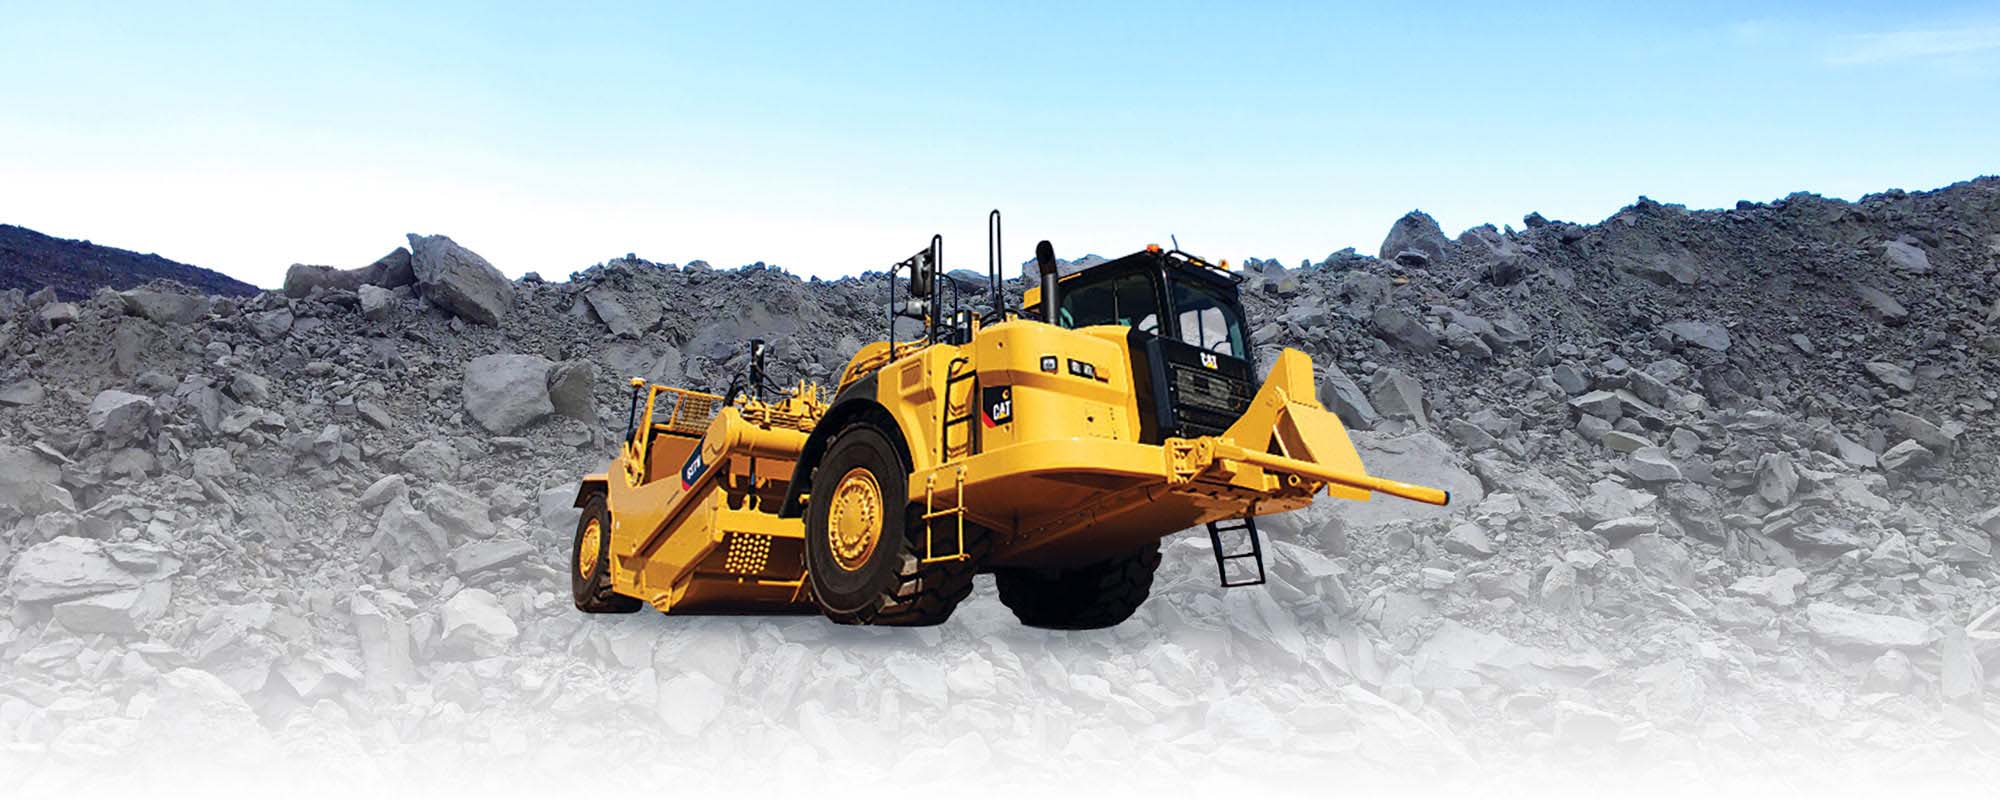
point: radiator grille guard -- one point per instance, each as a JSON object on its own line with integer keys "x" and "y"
{"x": 1207, "y": 402}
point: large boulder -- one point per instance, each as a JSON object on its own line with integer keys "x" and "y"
{"x": 66, "y": 568}
{"x": 1838, "y": 626}
{"x": 1414, "y": 241}
{"x": 1342, "y": 396}
{"x": 120, "y": 613}
{"x": 507, "y": 392}
{"x": 120, "y": 416}
{"x": 459, "y": 280}
{"x": 28, "y": 482}
{"x": 476, "y": 625}
{"x": 388, "y": 272}
{"x": 1397, "y": 327}
{"x": 165, "y": 308}
{"x": 569, "y": 390}
{"x": 1417, "y": 454}
{"x": 1398, "y": 395}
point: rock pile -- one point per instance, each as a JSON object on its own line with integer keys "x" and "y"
{"x": 1724, "y": 481}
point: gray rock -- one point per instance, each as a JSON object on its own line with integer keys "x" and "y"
{"x": 1418, "y": 453}
{"x": 377, "y": 303}
{"x": 505, "y": 393}
{"x": 1469, "y": 539}
{"x": 479, "y": 556}
{"x": 55, "y": 315}
{"x": 1610, "y": 500}
{"x": 1560, "y": 590}
{"x": 1961, "y": 676}
{"x": 24, "y": 392}
{"x": 1907, "y": 455}
{"x": 1415, "y": 233}
{"x": 1989, "y": 521}
{"x": 1702, "y": 334}
{"x": 1891, "y": 557}
{"x": 1339, "y": 394}
{"x": 120, "y": 416}
{"x": 431, "y": 459}
{"x": 1653, "y": 465}
{"x": 212, "y": 462}
{"x": 1777, "y": 479}
{"x": 1889, "y": 672}
{"x": 270, "y": 326}
{"x": 459, "y": 281}
{"x": 1571, "y": 379}
{"x": 1663, "y": 557}
{"x": 1939, "y": 439}
{"x": 1906, "y": 256}
{"x": 1623, "y": 528}
{"x": 119, "y": 613}
{"x": 1473, "y": 437}
{"x": 1648, "y": 388}
{"x": 1838, "y": 626}
{"x": 384, "y": 637}
{"x": 476, "y": 625}
{"x": 1622, "y": 442}
{"x": 604, "y": 303}
{"x": 458, "y": 511}
{"x": 387, "y": 488}
{"x": 569, "y": 391}
{"x": 1779, "y": 589}
{"x": 1881, "y": 306}
{"x": 327, "y": 444}
{"x": 250, "y": 387}
{"x": 1398, "y": 396}
{"x": 28, "y": 482}
{"x": 1601, "y": 404}
{"x": 1891, "y": 375}
{"x": 163, "y": 307}
{"x": 1592, "y": 427}
{"x": 1398, "y": 328}
{"x": 66, "y": 568}
{"x": 388, "y": 272}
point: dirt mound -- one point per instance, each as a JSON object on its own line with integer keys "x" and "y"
{"x": 30, "y": 261}
{"x": 1729, "y": 500}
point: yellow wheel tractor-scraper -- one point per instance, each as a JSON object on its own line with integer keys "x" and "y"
{"x": 1053, "y": 446}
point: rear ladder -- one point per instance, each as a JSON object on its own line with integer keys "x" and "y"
{"x": 1255, "y": 553}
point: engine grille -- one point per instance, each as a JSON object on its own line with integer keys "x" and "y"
{"x": 1208, "y": 402}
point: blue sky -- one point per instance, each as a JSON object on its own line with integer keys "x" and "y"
{"x": 245, "y": 137}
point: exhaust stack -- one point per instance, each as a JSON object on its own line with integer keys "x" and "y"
{"x": 1045, "y": 259}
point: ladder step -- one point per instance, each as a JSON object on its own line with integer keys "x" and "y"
{"x": 1222, "y": 559}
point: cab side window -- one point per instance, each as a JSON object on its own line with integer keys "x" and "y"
{"x": 1207, "y": 320}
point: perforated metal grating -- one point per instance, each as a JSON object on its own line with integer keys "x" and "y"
{"x": 747, "y": 553}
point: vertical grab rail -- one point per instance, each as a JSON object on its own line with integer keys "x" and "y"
{"x": 993, "y": 258}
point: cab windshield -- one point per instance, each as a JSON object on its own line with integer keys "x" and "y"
{"x": 1126, "y": 300}
{"x": 1207, "y": 319}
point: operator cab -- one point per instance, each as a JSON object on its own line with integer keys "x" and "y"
{"x": 1189, "y": 346}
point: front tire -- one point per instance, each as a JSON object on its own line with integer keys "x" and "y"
{"x": 865, "y": 567}
{"x": 1099, "y": 595}
{"x": 590, "y": 563}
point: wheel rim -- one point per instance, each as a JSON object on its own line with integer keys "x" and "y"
{"x": 854, "y": 519}
{"x": 588, "y": 548}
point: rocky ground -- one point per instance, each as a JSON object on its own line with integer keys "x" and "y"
{"x": 1726, "y": 503}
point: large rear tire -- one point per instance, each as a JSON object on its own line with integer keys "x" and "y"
{"x": 1085, "y": 598}
{"x": 865, "y": 566}
{"x": 590, "y": 563}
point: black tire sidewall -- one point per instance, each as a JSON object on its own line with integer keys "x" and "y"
{"x": 835, "y": 589}
{"x": 585, "y": 588}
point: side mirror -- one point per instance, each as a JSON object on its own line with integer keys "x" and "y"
{"x": 920, "y": 277}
